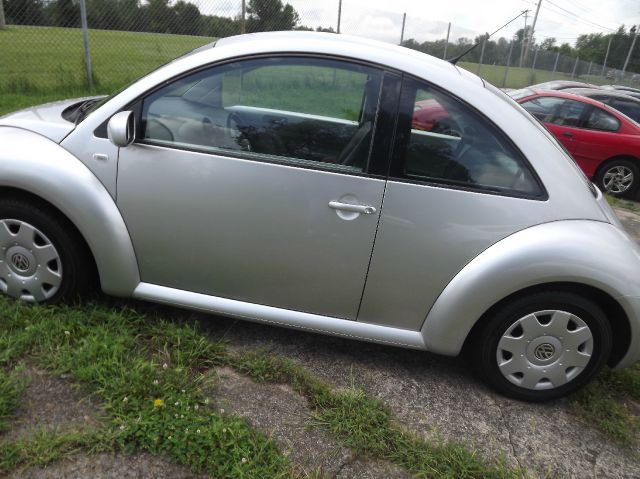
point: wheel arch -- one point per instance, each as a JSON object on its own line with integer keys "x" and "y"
{"x": 618, "y": 319}
{"x": 37, "y": 168}
{"x": 561, "y": 255}
{"x": 608, "y": 161}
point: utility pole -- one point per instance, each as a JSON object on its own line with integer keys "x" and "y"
{"x": 446, "y": 43}
{"x": 606, "y": 56}
{"x": 524, "y": 37}
{"x": 2, "y": 22}
{"x": 404, "y": 19}
{"x": 533, "y": 27}
{"x": 633, "y": 44}
{"x": 339, "y": 14}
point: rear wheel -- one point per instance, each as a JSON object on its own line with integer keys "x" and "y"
{"x": 543, "y": 346}
{"x": 42, "y": 258}
{"x": 619, "y": 177}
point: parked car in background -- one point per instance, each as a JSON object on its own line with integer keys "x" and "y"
{"x": 617, "y": 99}
{"x": 561, "y": 85}
{"x": 288, "y": 178}
{"x": 633, "y": 92}
{"x": 604, "y": 142}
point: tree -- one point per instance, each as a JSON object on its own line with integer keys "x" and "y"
{"x": 24, "y": 12}
{"x": 548, "y": 43}
{"x": 188, "y": 20}
{"x": 270, "y": 15}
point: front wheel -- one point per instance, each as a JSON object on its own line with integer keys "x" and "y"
{"x": 619, "y": 178}
{"x": 42, "y": 258}
{"x": 543, "y": 346}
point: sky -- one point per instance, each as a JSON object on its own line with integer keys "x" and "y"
{"x": 428, "y": 19}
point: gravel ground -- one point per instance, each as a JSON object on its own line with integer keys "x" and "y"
{"x": 432, "y": 396}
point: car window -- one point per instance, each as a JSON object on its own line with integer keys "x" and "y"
{"x": 628, "y": 107}
{"x": 602, "y": 120}
{"x": 450, "y": 143}
{"x": 302, "y": 110}
{"x": 559, "y": 111}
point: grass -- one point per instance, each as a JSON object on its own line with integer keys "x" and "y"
{"x": 11, "y": 387}
{"x": 149, "y": 375}
{"x": 622, "y": 203}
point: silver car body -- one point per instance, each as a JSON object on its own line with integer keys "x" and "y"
{"x": 181, "y": 234}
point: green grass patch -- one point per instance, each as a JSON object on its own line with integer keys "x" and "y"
{"x": 364, "y": 424}
{"x": 146, "y": 373}
{"x": 622, "y": 203}
{"x": 51, "y": 60}
{"x": 11, "y": 386}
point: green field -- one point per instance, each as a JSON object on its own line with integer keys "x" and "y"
{"x": 39, "y": 64}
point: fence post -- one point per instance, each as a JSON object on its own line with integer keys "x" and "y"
{"x": 606, "y": 56}
{"x": 404, "y": 19}
{"x": 85, "y": 42}
{"x": 243, "y": 17}
{"x": 2, "y": 22}
{"x": 589, "y": 70}
{"x": 484, "y": 44}
{"x": 575, "y": 65}
{"x": 446, "y": 43}
{"x": 533, "y": 65}
{"x": 555, "y": 64}
{"x": 339, "y": 14}
{"x": 506, "y": 70}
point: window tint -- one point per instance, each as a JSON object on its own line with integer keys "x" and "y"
{"x": 628, "y": 107}
{"x": 449, "y": 143}
{"x": 559, "y": 111}
{"x": 602, "y": 120}
{"x": 294, "y": 109}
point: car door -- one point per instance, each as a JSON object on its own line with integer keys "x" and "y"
{"x": 598, "y": 139}
{"x": 456, "y": 186}
{"x": 250, "y": 181}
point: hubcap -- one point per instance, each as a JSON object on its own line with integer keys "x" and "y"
{"x": 30, "y": 267}
{"x": 617, "y": 179}
{"x": 545, "y": 349}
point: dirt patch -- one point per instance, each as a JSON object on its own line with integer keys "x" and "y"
{"x": 51, "y": 403}
{"x": 108, "y": 466}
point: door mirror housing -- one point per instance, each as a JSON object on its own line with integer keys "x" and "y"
{"x": 121, "y": 128}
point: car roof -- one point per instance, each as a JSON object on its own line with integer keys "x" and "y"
{"x": 549, "y": 85}
{"x": 375, "y": 51}
{"x": 599, "y": 91}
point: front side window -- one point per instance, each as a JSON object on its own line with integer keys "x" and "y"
{"x": 559, "y": 111}
{"x": 300, "y": 110}
{"x": 601, "y": 120}
{"x": 450, "y": 143}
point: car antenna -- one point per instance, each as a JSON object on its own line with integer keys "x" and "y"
{"x": 455, "y": 59}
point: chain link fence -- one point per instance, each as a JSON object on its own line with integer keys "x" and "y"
{"x": 42, "y": 47}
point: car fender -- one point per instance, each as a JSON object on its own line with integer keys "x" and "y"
{"x": 560, "y": 251}
{"x": 37, "y": 165}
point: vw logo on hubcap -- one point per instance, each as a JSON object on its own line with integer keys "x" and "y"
{"x": 20, "y": 261}
{"x": 545, "y": 351}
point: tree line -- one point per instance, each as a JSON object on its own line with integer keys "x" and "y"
{"x": 590, "y": 47}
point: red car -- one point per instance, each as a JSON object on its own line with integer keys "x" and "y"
{"x": 603, "y": 141}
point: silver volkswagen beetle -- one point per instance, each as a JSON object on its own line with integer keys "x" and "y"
{"x": 335, "y": 185}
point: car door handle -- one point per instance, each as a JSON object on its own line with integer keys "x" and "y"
{"x": 337, "y": 205}
{"x": 567, "y": 133}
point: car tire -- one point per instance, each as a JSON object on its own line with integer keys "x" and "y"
{"x": 42, "y": 257}
{"x": 611, "y": 177}
{"x": 542, "y": 346}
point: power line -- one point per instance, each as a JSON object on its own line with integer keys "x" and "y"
{"x": 578, "y": 17}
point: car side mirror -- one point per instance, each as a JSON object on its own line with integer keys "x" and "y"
{"x": 121, "y": 128}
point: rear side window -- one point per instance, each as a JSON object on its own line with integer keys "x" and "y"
{"x": 629, "y": 108}
{"x": 446, "y": 142}
{"x": 559, "y": 111}
{"x": 602, "y": 120}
